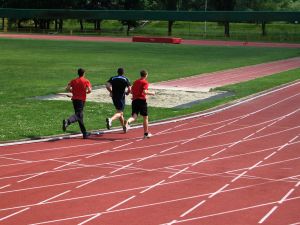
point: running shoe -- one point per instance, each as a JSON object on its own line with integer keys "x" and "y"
{"x": 108, "y": 123}
{"x": 126, "y": 127}
{"x": 64, "y": 125}
{"x": 147, "y": 135}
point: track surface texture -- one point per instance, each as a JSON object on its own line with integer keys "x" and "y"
{"x": 237, "y": 165}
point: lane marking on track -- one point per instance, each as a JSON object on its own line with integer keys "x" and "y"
{"x": 268, "y": 214}
{"x": 129, "y": 143}
{"x": 225, "y": 186}
{"x": 64, "y": 219}
{"x": 67, "y": 164}
{"x": 20, "y": 160}
{"x": 230, "y": 211}
{"x": 255, "y": 165}
{"x": 54, "y": 197}
{"x": 91, "y": 181}
{"x": 31, "y": 177}
{"x": 286, "y": 196}
{"x": 179, "y": 172}
{"x": 275, "y": 207}
{"x": 121, "y": 168}
{"x": 239, "y": 176}
{"x": 169, "y": 149}
{"x": 13, "y": 214}
{"x": 193, "y": 208}
{"x": 153, "y": 186}
{"x": 147, "y": 157}
{"x": 90, "y": 219}
{"x": 218, "y": 191}
{"x": 120, "y": 203}
{"x": 5, "y": 186}
{"x": 200, "y": 161}
{"x": 96, "y": 154}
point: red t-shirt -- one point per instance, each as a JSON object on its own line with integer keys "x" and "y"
{"x": 79, "y": 88}
{"x": 138, "y": 88}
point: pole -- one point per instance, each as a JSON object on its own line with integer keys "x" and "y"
{"x": 5, "y": 24}
{"x": 205, "y": 9}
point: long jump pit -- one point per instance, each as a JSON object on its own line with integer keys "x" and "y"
{"x": 164, "y": 97}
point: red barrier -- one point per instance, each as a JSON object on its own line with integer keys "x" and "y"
{"x": 170, "y": 40}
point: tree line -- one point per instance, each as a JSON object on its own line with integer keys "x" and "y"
{"x": 174, "y": 5}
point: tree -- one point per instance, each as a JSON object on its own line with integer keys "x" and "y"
{"x": 171, "y": 5}
{"x": 224, "y": 5}
{"x": 131, "y": 5}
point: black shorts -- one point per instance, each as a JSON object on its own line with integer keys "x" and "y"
{"x": 139, "y": 106}
{"x": 119, "y": 103}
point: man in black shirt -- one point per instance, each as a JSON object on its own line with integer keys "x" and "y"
{"x": 116, "y": 86}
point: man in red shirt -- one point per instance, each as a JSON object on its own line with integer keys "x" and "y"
{"x": 79, "y": 87}
{"x": 139, "y": 92}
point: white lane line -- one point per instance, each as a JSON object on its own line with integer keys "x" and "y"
{"x": 153, "y": 186}
{"x": 28, "y": 178}
{"x": 148, "y": 157}
{"x": 88, "y": 220}
{"x": 163, "y": 131}
{"x": 21, "y": 160}
{"x": 67, "y": 164}
{"x": 298, "y": 184}
{"x": 242, "y": 174}
{"x": 5, "y": 186}
{"x": 189, "y": 140}
{"x": 286, "y": 196}
{"x": 268, "y": 214}
{"x": 168, "y": 149}
{"x": 91, "y": 181}
{"x": 60, "y": 220}
{"x": 217, "y": 153}
{"x": 120, "y": 203}
{"x": 179, "y": 172}
{"x": 99, "y": 153}
{"x": 121, "y": 168}
{"x": 192, "y": 209}
{"x": 171, "y": 223}
{"x": 129, "y": 143}
{"x": 56, "y": 196}
{"x": 218, "y": 191}
{"x": 252, "y": 167}
{"x": 202, "y": 160}
{"x": 269, "y": 156}
{"x": 13, "y": 214}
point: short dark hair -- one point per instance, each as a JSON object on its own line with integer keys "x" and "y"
{"x": 120, "y": 71}
{"x": 144, "y": 73}
{"x": 80, "y": 72}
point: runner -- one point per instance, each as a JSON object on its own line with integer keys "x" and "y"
{"x": 139, "y": 103}
{"x": 79, "y": 87}
{"x": 116, "y": 86}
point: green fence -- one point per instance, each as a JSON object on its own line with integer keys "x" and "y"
{"x": 212, "y": 16}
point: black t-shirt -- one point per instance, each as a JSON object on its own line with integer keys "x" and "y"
{"x": 119, "y": 83}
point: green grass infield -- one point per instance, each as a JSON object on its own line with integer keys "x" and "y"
{"x": 32, "y": 68}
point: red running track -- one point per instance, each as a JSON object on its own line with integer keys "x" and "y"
{"x": 114, "y": 39}
{"x": 207, "y": 81}
{"x": 238, "y": 165}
